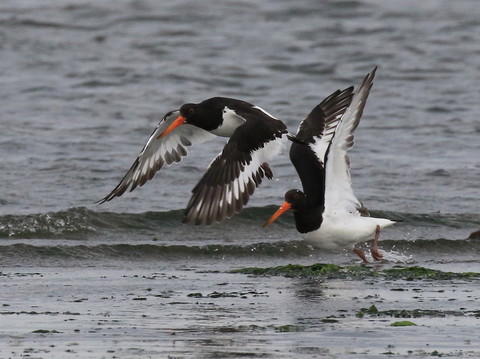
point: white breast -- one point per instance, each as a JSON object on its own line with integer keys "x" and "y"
{"x": 230, "y": 123}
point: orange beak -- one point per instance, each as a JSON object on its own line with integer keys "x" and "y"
{"x": 178, "y": 122}
{"x": 283, "y": 208}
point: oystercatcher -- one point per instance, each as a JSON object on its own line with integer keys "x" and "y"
{"x": 255, "y": 138}
{"x": 327, "y": 213}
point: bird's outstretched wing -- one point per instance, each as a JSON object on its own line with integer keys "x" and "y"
{"x": 159, "y": 151}
{"x": 339, "y": 196}
{"x": 234, "y": 174}
{"x": 310, "y": 145}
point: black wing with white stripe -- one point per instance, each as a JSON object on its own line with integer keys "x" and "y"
{"x": 159, "y": 151}
{"x": 339, "y": 196}
{"x": 309, "y": 146}
{"x": 233, "y": 176}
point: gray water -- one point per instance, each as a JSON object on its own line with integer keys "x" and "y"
{"x": 83, "y": 84}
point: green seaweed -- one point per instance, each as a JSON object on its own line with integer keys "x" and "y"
{"x": 410, "y": 313}
{"x": 372, "y": 311}
{"x": 288, "y": 328}
{"x": 412, "y": 273}
{"x": 418, "y": 313}
{"x": 403, "y": 323}
{"x": 292, "y": 270}
{"x": 332, "y": 271}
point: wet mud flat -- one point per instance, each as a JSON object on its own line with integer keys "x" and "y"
{"x": 143, "y": 310}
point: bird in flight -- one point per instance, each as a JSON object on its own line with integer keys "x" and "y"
{"x": 255, "y": 137}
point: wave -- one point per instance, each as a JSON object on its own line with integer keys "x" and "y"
{"x": 395, "y": 251}
{"x": 79, "y": 223}
{"x": 154, "y": 251}
{"x": 83, "y": 223}
{"x": 81, "y": 233}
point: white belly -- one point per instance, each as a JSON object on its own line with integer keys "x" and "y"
{"x": 344, "y": 231}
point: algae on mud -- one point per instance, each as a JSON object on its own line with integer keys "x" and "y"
{"x": 373, "y": 311}
{"x": 292, "y": 270}
{"x": 412, "y": 273}
{"x": 403, "y": 323}
{"x": 332, "y": 271}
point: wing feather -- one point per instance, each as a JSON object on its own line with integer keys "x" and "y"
{"x": 234, "y": 174}
{"x": 157, "y": 152}
{"x": 309, "y": 146}
{"x": 339, "y": 196}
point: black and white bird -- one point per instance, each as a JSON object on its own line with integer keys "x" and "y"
{"x": 255, "y": 137}
{"x": 327, "y": 213}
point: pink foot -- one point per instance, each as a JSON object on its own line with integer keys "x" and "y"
{"x": 376, "y": 254}
{"x": 360, "y": 253}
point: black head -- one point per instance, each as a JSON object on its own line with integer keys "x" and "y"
{"x": 296, "y": 198}
{"x": 206, "y": 114}
{"x": 308, "y": 218}
{"x": 192, "y": 113}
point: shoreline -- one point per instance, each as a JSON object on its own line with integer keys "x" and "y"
{"x": 196, "y": 312}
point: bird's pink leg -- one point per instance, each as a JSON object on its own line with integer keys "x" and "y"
{"x": 360, "y": 253}
{"x": 374, "y": 250}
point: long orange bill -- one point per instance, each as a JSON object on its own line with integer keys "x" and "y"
{"x": 283, "y": 208}
{"x": 178, "y": 122}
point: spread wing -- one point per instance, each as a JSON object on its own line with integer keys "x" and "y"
{"x": 310, "y": 145}
{"x": 232, "y": 177}
{"x": 339, "y": 196}
{"x": 159, "y": 151}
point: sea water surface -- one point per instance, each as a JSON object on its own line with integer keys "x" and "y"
{"x": 83, "y": 84}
